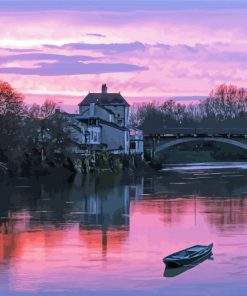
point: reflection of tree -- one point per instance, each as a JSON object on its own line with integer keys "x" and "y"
{"x": 175, "y": 195}
{"x": 13, "y": 245}
{"x": 231, "y": 211}
{"x": 170, "y": 208}
{"x": 8, "y": 245}
{"x": 205, "y": 184}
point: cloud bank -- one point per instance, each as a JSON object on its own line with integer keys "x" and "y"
{"x": 144, "y": 49}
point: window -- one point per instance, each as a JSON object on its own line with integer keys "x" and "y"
{"x": 95, "y": 137}
{"x": 132, "y": 145}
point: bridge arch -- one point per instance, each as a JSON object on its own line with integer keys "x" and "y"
{"x": 176, "y": 142}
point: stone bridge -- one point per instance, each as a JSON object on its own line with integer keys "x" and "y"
{"x": 157, "y": 143}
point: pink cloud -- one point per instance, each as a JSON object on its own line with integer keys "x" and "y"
{"x": 184, "y": 52}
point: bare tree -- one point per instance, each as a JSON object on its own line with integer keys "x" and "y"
{"x": 150, "y": 118}
{"x": 226, "y": 102}
{"x": 12, "y": 114}
{"x": 48, "y": 108}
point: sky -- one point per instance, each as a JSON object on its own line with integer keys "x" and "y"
{"x": 146, "y": 49}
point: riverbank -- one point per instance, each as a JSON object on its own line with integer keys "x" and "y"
{"x": 76, "y": 164}
{"x": 180, "y": 157}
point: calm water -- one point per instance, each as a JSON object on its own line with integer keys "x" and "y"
{"x": 108, "y": 235}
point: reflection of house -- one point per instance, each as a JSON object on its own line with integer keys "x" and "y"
{"x": 106, "y": 242}
{"x": 110, "y": 112}
{"x": 109, "y": 209}
{"x": 105, "y": 223}
{"x": 136, "y": 191}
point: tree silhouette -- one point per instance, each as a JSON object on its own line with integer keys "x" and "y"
{"x": 12, "y": 114}
{"x": 225, "y": 107}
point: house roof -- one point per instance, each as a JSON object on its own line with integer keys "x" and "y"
{"x": 100, "y": 106}
{"x": 108, "y": 110}
{"x": 112, "y": 124}
{"x": 104, "y": 99}
{"x": 101, "y": 121}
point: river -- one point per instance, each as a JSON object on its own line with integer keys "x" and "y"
{"x": 107, "y": 235}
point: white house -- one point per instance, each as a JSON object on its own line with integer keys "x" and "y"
{"x": 102, "y": 124}
{"x": 110, "y": 113}
{"x": 93, "y": 132}
{"x": 113, "y": 103}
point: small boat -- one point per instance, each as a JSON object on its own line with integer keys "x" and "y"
{"x": 172, "y": 272}
{"x": 188, "y": 255}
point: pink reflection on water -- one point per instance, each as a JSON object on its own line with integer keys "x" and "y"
{"x": 75, "y": 257}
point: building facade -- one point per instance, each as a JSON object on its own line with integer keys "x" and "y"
{"x": 110, "y": 112}
{"x": 102, "y": 125}
{"x": 109, "y": 103}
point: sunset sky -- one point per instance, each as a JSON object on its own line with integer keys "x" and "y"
{"x": 145, "y": 49}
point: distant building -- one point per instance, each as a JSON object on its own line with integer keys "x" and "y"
{"x": 105, "y": 103}
{"x": 102, "y": 125}
{"x": 110, "y": 113}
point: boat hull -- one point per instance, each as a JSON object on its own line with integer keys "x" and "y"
{"x": 171, "y": 261}
{"x": 172, "y": 272}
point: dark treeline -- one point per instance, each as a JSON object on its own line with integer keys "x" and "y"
{"x": 27, "y": 131}
{"x": 225, "y": 107}
{"x": 28, "y": 134}
{"x": 36, "y": 139}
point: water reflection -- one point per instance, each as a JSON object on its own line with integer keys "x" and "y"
{"x": 110, "y": 229}
{"x": 101, "y": 213}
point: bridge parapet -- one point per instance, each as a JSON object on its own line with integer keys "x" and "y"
{"x": 156, "y": 143}
{"x": 199, "y": 131}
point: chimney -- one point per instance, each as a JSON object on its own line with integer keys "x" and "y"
{"x": 104, "y": 89}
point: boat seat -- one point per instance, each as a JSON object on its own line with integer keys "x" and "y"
{"x": 184, "y": 254}
{"x": 191, "y": 252}
{"x": 195, "y": 250}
